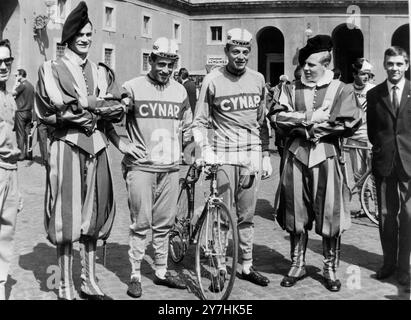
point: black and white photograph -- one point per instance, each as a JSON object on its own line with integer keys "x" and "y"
{"x": 217, "y": 151}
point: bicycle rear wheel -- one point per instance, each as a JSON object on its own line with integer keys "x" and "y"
{"x": 216, "y": 253}
{"x": 368, "y": 198}
{"x": 178, "y": 238}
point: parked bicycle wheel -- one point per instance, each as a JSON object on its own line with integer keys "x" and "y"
{"x": 216, "y": 253}
{"x": 368, "y": 198}
{"x": 178, "y": 239}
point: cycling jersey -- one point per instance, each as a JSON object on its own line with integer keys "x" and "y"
{"x": 230, "y": 113}
{"x": 154, "y": 123}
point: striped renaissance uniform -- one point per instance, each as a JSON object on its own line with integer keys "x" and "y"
{"x": 311, "y": 184}
{"x": 79, "y": 196}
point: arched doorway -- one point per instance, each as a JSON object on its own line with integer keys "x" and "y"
{"x": 7, "y": 8}
{"x": 271, "y": 54}
{"x": 348, "y": 45}
{"x": 401, "y": 38}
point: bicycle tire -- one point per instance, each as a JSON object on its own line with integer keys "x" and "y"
{"x": 368, "y": 198}
{"x": 177, "y": 244}
{"x": 215, "y": 246}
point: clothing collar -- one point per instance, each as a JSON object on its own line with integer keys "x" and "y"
{"x": 235, "y": 74}
{"x": 357, "y": 87}
{"x": 184, "y": 81}
{"x": 326, "y": 79}
{"x": 400, "y": 84}
{"x": 156, "y": 83}
{"x": 74, "y": 57}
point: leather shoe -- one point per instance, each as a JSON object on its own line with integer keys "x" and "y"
{"x": 87, "y": 296}
{"x": 134, "y": 288}
{"x": 403, "y": 279}
{"x": 333, "y": 285}
{"x": 384, "y": 273}
{"x": 217, "y": 282}
{"x": 255, "y": 277}
{"x": 290, "y": 281}
{"x": 170, "y": 281}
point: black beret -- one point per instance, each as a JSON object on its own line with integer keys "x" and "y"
{"x": 315, "y": 44}
{"x": 75, "y": 21}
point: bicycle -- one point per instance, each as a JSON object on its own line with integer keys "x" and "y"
{"x": 214, "y": 233}
{"x": 367, "y": 189}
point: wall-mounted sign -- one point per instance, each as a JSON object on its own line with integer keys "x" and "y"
{"x": 218, "y": 60}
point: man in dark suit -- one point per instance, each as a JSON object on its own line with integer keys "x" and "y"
{"x": 389, "y": 131}
{"x": 23, "y": 92}
{"x": 190, "y": 87}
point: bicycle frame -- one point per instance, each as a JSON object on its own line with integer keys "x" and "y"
{"x": 211, "y": 200}
{"x": 357, "y": 186}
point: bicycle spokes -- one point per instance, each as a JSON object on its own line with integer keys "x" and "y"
{"x": 216, "y": 254}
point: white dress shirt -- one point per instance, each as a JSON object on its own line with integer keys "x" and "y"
{"x": 400, "y": 89}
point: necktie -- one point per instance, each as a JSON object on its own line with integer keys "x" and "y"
{"x": 395, "y": 101}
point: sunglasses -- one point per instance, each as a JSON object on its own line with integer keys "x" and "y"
{"x": 7, "y": 61}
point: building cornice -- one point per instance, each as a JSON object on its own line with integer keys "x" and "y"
{"x": 285, "y": 6}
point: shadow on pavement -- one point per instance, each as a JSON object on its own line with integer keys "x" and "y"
{"x": 117, "y": 261}
{"x": 42, "y": 261}
{"x": 351, "y": 254}
{"x": 264, "y": 209}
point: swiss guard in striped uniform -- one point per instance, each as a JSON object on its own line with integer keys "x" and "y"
{"x": 78, "y": 100}
{"x": 313, "y": 114}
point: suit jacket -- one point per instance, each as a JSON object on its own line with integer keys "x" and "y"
{"x": 191, "y": 92}
{"x": 389, "y": 132}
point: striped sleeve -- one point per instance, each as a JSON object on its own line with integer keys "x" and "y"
{"x": 345, "y": 117}
{"x": 58, "y": 109}
{"x": 283, "y": 115}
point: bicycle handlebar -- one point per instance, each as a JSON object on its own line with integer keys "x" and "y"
{"x": 194, "y": 172}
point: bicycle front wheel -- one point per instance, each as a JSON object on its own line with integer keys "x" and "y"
{"x": 217, "y": 253}
{"x": 368, "y": 198}
{"x": 178, "y": 237}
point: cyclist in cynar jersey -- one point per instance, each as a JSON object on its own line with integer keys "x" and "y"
{"x": 230, "y": 126}
{"x": 159, "y": 111}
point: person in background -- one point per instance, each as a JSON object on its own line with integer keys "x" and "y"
{"x": 24, "y": 95}
{"x": 360, "y": 158}
{"x": 190, "y": 87}
{"x": 337, "y": 73}
{"x": 297, "y": 73}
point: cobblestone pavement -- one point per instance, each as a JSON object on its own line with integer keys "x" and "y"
{"x": 34, "y": 262}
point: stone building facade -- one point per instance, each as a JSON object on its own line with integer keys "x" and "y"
{"x": 125, "y": 30}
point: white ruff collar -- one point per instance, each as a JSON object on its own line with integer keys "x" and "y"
{"x": 326, "y": 79}
{"x": 74, "y": 57}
